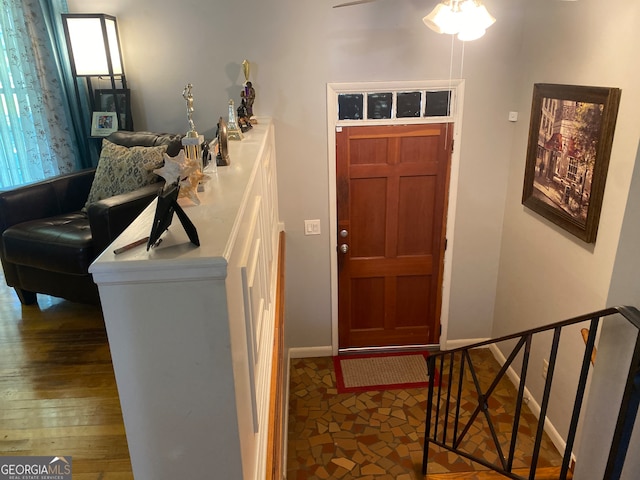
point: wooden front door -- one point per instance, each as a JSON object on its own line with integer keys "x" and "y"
{"x": 392, "y": 189}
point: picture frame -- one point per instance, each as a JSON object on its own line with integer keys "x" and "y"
{"x": 167, "y": 205}
{"x": 104, "y": 124}
{"x": 104, "y": 102}
{"x": 569, "y": 146}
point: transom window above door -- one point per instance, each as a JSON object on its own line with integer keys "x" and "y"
{"x": 400, "y": 105}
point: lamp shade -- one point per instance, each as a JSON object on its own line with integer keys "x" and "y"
{"x": 476, "y": 16}
{"x": 93, "y": 44}
{"x": 467, "y": 18}
{"x": 442, "y": 19}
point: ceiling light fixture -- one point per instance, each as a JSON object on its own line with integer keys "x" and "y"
{"x": 469, "y": 19}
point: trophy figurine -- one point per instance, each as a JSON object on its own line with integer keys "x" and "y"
{"x": 248, "y": 94}
{"x": 188, "y": 96}
{"x": 192, "y": 141}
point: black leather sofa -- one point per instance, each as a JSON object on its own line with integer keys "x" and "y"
{"x": 47, "y": 242}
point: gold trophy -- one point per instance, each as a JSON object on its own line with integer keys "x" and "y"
{"x": 192, "y": 142}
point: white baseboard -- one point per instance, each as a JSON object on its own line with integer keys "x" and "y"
{"x": 451, "y": 344}
{"x": 309, "y": 352}
{"x": 559, "y": 442}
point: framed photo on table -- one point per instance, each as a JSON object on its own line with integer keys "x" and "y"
{"x": 104, "y": 124}
{"x": 570, "y": 139}
{"x": 105, "y": 101}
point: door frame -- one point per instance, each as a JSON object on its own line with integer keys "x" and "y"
{"x": 455, "y": 117}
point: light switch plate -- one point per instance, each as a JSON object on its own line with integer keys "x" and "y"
{"x": 312, "y": 227}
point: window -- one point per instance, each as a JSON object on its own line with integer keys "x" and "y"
{"x": 8, "y": 100}
{"x": 391, "y": 105}
{"x": 35, "y": 127}
{"x": 572, "y": 171}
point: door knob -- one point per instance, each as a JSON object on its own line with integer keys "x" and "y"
{"x": 344, "y": 248}
{"x": 344, "y": 233}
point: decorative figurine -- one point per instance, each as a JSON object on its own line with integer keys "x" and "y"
{"x": 243, "y": 117}
{"x": 233, "y": 131}
{"x": 184, "y": 172}
{"x": 188, "y": 96}
{"x": 191, "y": 154}
{"x": 248, "y": 94}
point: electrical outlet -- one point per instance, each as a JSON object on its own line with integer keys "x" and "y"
{"x": 545, "y": 368}
{"x": 312, "y": 227}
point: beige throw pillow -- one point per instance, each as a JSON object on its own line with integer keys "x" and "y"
{"x": 124, "y": 169}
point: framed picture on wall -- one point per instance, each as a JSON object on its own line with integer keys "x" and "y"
{"x": 105, "y": 101}
{"x": 570, "y": 138}
{"x": 103, "y": 124}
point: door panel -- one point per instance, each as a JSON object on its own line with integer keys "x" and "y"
{"x": 369, "y": 217}
{"x": 412, "y": 301}
{"x": 392, "y": 185}
{"x": 368, "y": 303}
{"x": 416, "y": 201}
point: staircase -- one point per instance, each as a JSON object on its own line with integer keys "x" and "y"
{"x": 502, "y": 451}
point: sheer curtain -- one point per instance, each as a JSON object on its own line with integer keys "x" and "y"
{"x": 37, "y": 133}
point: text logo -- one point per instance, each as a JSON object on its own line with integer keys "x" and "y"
{"x": 35, "y": 468}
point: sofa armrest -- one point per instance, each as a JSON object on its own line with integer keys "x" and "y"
{"x": 54, "y": 196}
{"x": 111, "y": 216}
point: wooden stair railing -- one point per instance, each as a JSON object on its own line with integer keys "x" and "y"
{"x": 585, "y": 337}
{"x": 445, "y": 428}
{"x": 275, "y": 438}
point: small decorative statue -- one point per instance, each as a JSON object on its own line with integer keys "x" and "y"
{"x": 189, "y": 162}
{"x": 243, "y": 117}
{"x": 188, "y": 96}
{"x": 233, "y": 130}
{"x": 248, "y": 97}
{"x": 248, "y": 94}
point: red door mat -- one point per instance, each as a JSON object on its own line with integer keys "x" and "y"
{"x": 361, "y": 373}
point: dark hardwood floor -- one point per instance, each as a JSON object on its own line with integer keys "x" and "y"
{"x": 58, "y": 393}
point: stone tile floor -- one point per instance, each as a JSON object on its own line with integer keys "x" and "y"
{"x": 379, "y": 435}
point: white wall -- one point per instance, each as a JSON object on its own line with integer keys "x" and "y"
{"x": 545, "y": 273}
{"x": 295, "y": 49}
